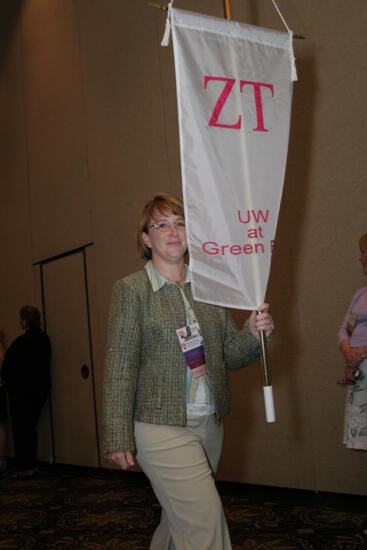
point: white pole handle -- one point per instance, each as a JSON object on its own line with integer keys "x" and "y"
{"x": 269, "y": 404}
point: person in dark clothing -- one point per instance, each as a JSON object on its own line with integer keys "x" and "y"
{"x": 3, "y": 418}
{"x": 26, "y": 375}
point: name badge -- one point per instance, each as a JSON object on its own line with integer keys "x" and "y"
{"x": 192, "y": 345}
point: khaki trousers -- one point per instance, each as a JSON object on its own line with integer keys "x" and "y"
{"x": 180, "y": 462}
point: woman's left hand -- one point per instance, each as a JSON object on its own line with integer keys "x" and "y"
{"x": 261, "y": 319}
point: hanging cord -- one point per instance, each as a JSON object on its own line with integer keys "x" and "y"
{"x": 281, "y": 16}
{"x": 297, "y": 36}
{"x": 167, "y": 30}
{"x": 293, "y": 61}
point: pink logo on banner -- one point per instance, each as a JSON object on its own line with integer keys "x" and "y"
{"x": 225, "y": 94}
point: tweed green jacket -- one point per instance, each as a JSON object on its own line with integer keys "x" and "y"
{"x": 145, "y": 370}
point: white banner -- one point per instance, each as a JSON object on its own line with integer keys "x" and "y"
{"x": 234, "y": 89}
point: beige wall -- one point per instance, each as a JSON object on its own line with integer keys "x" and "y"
{"x": 89, "y": 131}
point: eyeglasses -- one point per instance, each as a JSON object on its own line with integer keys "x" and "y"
{"x": 164, "y": 226}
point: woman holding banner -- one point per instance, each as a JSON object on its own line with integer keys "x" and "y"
{"x": 353, "y": 345}
{"x": 165, "y": 387}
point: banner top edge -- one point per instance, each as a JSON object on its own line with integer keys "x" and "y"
{"x": 232, "y": 28}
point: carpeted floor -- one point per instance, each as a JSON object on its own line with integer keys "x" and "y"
{"x": 69, "y": 507}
